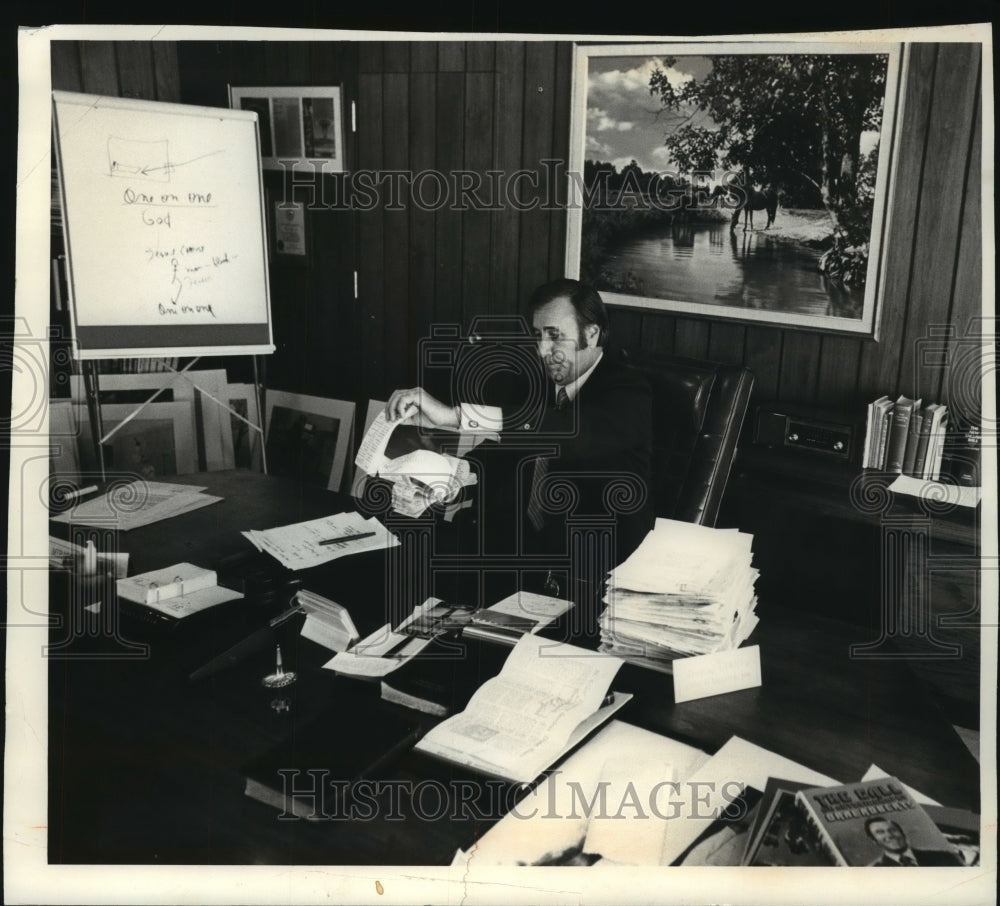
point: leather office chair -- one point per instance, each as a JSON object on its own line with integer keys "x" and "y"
{"x": 698, "y": 412}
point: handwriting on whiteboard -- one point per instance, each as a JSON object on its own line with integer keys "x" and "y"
{"x": 181, "y": 270}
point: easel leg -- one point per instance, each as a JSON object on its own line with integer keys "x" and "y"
{"x": 258, "y": 389}
{"x": 91, "y": 382}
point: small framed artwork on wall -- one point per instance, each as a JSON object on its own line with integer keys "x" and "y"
{"x": 298, "y": 126}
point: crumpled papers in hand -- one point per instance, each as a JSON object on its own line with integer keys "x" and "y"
{"x": 423, "y": 478}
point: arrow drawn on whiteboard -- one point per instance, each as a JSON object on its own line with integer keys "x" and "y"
{"x": 169, "y": 168}
{"x": 177, "y": 280}
{"x": 121, "y": 167}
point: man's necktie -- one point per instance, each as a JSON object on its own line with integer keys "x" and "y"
{"x": 536, "y": 515}
{"x": 907, "y": 860}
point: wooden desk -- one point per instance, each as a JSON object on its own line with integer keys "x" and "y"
{"x": 835, "y": 541}
{"x": 145, "y": 767}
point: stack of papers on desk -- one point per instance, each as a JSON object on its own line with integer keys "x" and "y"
{"x": 306, "y": 544}
{"x": 139, "y": 503}
{"x": 686, "y": 590}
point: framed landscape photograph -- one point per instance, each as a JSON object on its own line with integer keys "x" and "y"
{"x": 298, "y": 125}
{"x": 748, "y": 181}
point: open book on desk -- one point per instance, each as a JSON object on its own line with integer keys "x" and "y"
{"x": 547, "y": 698}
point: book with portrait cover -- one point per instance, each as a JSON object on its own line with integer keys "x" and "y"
{"x": 876, "y": 823}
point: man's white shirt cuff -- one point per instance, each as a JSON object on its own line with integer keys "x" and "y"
{"x": 473, "y": 417}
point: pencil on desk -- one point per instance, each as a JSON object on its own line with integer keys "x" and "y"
{"x": 343, "y": 538}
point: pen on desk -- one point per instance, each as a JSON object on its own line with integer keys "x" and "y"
{"x": 72, "y": 495}
{"x": 343, "y": 538}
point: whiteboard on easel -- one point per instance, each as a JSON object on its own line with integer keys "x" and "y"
{"x": 165, "y": 228}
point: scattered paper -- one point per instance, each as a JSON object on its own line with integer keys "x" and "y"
{"x": 185, "y": 605}
{"x": 631, "y": 791}
{"x": 737, "y": 763}
{"x": 874, "y": 772}
{"x": 937, "y": 491}
{"x": 300, "y": 545}
{"x": 126, "y": 507}
{"x": 377, "y": 654}
{"x": 420, "y": 478}
{"x": 550, "y": 825}
{"x": 716, "y": 674}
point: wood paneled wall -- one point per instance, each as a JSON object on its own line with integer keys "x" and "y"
{"x": 504, "y": 106}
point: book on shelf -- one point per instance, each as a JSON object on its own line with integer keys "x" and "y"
{"x": 873, "y": 424}
{"x": 884, "y": 416}
{"x": 547, "y": 698}
{"x": 309, "y": 772}
{"x": 940, "y": 435}
{"x": 902, "y": 413}
{"x": 923, "y": 438}
{"x": 913, "y": 438}
{"x": 875, "y": 823}
{"x": 937, "y": 413}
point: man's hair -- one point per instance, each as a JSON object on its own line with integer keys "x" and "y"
{"x": 586, "y": 302}
{"x": 884, "y": 820}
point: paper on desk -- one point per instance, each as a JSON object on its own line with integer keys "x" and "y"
{"x": 938, "y": 491}
{"x": 737, "y": 762}
{"x": 528, "y": 604}
{"x": 371, "y": 656}
{"x": 297, "y": 546}
{"x": 185, "y": 605}
{"x": 550, "y": 821}
{"x": 874, "y": 772}
{"x": 126, "y": 507}
{"x": 621, "y": 833}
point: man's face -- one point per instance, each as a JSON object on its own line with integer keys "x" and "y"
{"x": 566, "y": 349}
{"x": 888, "y": 835}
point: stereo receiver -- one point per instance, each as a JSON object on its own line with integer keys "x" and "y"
{"x": 802, "y": 428}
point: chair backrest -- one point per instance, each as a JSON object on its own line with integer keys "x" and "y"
{"x": 698, "y": 411}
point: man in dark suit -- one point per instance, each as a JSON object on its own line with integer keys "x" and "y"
{"x": 896, "y": 850}
{"x": 594, "y": 432}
